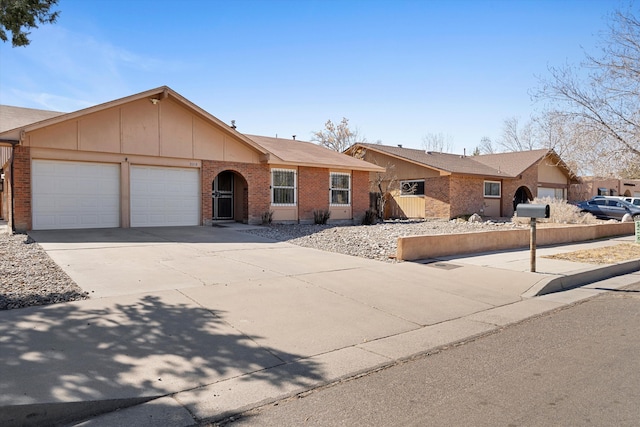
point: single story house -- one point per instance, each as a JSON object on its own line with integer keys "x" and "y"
{"x": 591, "y": 186}
{"x": 426, "y": 184}
{"x": 157, "y": 159}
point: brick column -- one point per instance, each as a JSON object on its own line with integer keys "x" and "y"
{"x": 359, "y": 193}
{"x": 21, "y": 191}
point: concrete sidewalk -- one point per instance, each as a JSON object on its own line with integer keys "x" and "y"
{"x": 204, "y": 322}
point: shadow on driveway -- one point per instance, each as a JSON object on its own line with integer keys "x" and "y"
{"x": 133, "y": 350}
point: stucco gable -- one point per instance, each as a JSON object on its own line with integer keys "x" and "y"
{"x": 153, "y": 97}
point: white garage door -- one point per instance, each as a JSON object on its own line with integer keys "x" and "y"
{"x": 164, "y": 196}
{"x": 75, "y": 195}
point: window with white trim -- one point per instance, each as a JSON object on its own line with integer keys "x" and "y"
{"x": 492, "y": 188}
{"x": 340, "y": 190}
{"x": 283, "y": 187}
{"x": 412, "y": 188}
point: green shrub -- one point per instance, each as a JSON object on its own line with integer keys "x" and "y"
{"x": 321, "y": 216}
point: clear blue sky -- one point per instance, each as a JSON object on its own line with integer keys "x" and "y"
{"x": 397, "y": 70}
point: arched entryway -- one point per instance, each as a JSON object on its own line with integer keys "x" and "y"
{"x": 229, "y": 197}
{"x": 523, "y": 195}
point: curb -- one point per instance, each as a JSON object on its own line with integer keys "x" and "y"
{"x": 580, "y": 278}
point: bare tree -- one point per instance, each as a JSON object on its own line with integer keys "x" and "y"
{"x": 606, "y": 99}
{"x": 630, "y": 171}
{"x": 584, "y": 149}
{"x": 337, "y": 137}
{"x": 517, "y": 136}
{"x": 437, "y": 142}
{"x": 382, "y": 183}
{"x": 486, "y": 147}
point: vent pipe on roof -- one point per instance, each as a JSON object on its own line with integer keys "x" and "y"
{"x": 399, "y": 145}
{"x": 233, "y": 124}
{"x": 294, "y": 137}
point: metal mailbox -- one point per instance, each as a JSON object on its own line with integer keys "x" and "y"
{"x": 527, "y": 210}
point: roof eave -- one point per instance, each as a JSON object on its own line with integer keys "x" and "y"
{"x": 365, "y": 168}
{"x": 404, "y": 159}
{"x": 485, "y": 175}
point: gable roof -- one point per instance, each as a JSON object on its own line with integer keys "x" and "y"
{"x": 14, "y": 121}
{"x": 516, "y": 162}
{"x": 444, "y": 162}
{"x": 159, "y": 93}
{"x": 502, "y": 165}
{"x": 513, "y": 163}
{"x": 295, "y": 152}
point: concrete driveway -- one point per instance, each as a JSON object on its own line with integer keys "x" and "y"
{"x": 212, "y": 319}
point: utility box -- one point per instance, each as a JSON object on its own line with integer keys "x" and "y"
{"x": 638, "y": 232}
{"x": 528, "y": 210}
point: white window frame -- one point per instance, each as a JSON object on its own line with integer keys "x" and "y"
{"x": 492, "y": 196}
{"x": 410, "y": 182}
{"x": 294, "y": 188}
{"x": 332, "y": 189}
{"x": 558, "y": 193}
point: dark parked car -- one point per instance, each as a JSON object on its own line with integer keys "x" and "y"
{"x": 610, "y": 208}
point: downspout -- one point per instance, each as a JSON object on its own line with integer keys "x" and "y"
{"x": 11, "y": 143}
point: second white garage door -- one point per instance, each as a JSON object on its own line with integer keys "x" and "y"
{"x": 162, "y": 196}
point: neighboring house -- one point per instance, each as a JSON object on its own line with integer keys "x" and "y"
{"x": 439, "y": 185}
{"x": 157, "y": 159}
{"x": 11, "y": 118}
{"x": 590, "y": 187}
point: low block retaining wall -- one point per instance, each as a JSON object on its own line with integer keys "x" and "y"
{"x": 421, "y": 247}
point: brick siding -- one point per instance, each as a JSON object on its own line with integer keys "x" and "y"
{"x": 529, "y": 179}
{"x": 360, "y": 193}
{"x": 257, "y": 176}
{"x": 437, "y": 197}
{"x": 313, "y": 191}
{"x": 467, "y": 195}
{"x": 21, "y": 187}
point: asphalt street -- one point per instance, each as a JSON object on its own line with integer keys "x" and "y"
{"x": 577, "y": 365}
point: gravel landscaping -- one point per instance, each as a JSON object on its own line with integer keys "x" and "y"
{"x": 378, "y": 241}
{"x": 29, "y": 277}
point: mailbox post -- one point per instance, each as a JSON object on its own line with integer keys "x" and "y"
{"x": 526, "y": 210}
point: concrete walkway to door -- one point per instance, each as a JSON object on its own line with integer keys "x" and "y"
{"x": 205, "y": 321}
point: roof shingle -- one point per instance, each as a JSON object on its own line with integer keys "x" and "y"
{"x": 15, "y": 117}
{"x": 310, "y": 154}
{"x": 508, "y": 165}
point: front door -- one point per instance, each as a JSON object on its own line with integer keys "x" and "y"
{"x": 223, "y": 196}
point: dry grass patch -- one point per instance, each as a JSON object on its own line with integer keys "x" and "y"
{"x": 606, "y": 255}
